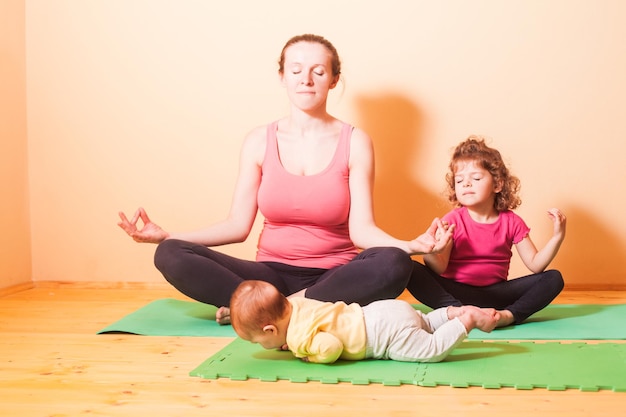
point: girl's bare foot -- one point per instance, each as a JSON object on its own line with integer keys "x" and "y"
{"x": 484, "y": 319}
{"x": 506, "y": 318}
{"x": 222, "y": 316}
{"x": 487, "y": 319}
{"x": 473, "y": 317}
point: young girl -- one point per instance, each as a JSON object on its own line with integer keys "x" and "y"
{"x": 474, "y": 266}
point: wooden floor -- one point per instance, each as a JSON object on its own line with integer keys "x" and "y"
{"x": 52, "y": 363}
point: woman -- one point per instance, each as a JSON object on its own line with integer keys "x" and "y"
{"x": 311, "y": 177}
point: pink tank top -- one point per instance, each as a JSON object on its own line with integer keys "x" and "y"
{"x": 306, "y": 217}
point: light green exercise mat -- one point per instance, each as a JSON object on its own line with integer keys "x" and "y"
{"x": 563, "y": 322}
{"x": 521, "y": 365}
{"x": 170, "y": 317}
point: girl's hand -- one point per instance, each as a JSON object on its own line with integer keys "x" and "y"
{"x": 442, "y": 228}
{"x": 559, "y": 221}
{"x": 149, "y": 233}
{"x": 434, "y": 240}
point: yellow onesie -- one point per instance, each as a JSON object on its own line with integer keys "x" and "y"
{"x": 324, "y": 332}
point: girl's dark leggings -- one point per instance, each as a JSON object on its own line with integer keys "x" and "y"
{"x": 522, "y": 296}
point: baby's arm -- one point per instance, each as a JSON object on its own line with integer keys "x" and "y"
{"x": 324, "y": 348}
{"x": 538, "y": 260}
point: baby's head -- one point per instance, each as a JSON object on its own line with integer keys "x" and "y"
{"x": 256, "y": 308}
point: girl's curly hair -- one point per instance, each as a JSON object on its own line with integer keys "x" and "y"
{"x": 475, "y": 149}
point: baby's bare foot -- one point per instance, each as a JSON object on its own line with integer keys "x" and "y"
{"x": 222, "y": 316}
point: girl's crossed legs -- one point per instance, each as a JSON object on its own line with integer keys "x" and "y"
{"x": 520, "y": 297}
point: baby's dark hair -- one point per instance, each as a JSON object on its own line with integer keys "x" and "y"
{"x": 475, "y": 149}
{"x": 255, "y": 304}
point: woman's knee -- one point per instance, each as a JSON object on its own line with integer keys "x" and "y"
{"x": 167, "y": 254}
{"x": 397, "y": 262}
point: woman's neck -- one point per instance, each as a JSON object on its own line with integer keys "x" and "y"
{"x": 308, "y": 123}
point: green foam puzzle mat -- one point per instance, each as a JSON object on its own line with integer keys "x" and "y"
{"x": 171, "y": 317}
{"x": 520, "y": 365}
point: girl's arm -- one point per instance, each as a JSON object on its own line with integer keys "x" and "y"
{"x": 538, "y": 260}
{"x": 363, "y": 229}
{"x": 438, "y": 262}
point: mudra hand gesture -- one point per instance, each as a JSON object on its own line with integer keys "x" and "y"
{"x": 434, "y": 240}
{"x": 149, "y": 233}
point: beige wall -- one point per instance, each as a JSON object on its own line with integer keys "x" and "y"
{"x": 15, "y": 255}
{"x": 146, "y": 102}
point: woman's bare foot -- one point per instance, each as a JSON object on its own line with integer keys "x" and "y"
{"x": 222, "y": 316}
{"x": 506, "y": 318}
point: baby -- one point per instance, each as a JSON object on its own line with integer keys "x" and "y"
{"x": 322, "y": 332}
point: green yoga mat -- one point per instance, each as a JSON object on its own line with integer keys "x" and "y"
{"x": 563, "y": 322}
{"x": 171, "y": 317}
{"x": 522, "y": 365}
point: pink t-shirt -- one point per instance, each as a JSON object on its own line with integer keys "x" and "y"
{"x": 481, "y": 254}
{"x": 306, "y": 217}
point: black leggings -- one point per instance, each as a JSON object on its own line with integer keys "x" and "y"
{"x": 521, "y": 296}
{"x": 211, "y": 277}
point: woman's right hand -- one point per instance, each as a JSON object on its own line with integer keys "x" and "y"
{"x": 149, "y": 233}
